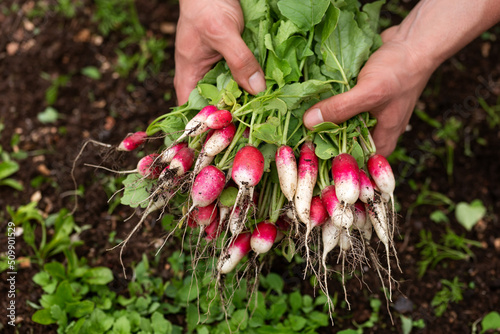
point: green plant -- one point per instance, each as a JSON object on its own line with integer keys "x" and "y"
{"x": 491, "y": 321}
{"x": 428, "y": 197}
{"x": 448, "y": 132}
{"x": 28, "y": 216}
{"x": 8, "y": 168}
{"x": 452, "y": 247}
{"x": 451, "y": 292}
{"x": 469, "y": 215}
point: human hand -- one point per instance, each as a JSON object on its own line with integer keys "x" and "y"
{"x": 388, "y": 87}
{"x": 207, "y": 31}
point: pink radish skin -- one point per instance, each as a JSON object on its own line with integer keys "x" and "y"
{"x": 307, "y": 175}
{"x": 235, "y": 253}
{"x": 286, "y": 165}
{"x": 345, "y": 172}
{"x": 132, "y": 141}
{"x": 207, "y": 186}
{"x": 340, "y": 215}
{"x": 318, "y": 215}
{"x": 381, "y": 172}
{"x": 248, "y": 167}
{"x": 359, "y": 215}
{"x": 282, "y": 226}
{"x": 196, "y": 126}
{"x": 204, "y": 216}
{"x": 212, "y": 230}
{"x": 146, "y": 169}
{"x": 263, "y": 237}
{"x": 167, "y": 155}
{"x": 180, "y": 163}
{"x": 219, "y": 140}
{"x": 366, "y": 192}
{"x": 219, "y": 119}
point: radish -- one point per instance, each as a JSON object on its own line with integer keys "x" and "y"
{"x": 330, "y": 234}
{"x": 168, "y": 154}
{"x": 366, "y": 192}
{"x": 205, "y": 215}
{"x": 234, "y": 253}
{"x": 286, "y": 165}
{"x": 345, "y": 172}
{"x": 282, "y": 226}
{"x": 307, "y": 175}
{"x": 219, "y": 119}
{"x": 340, "y": 215}
{"x": 207, "y": 186}
{"x": 219, "y": 140}
{"x": 197, "y": 125}
{"x": 263, "y": 237}
{"x": 212, "y": 230}
{"x": 381, "y": 172}
{"x": 318, "y": 215}
{"x": 145, "y": 167}
{"x": 180, "y": 163}
{"x": 359, "y": 215}
{"x": 132, "y": 141}
{"x": 247, "y": 171}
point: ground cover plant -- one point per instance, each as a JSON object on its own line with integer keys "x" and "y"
{"x": 97, "y": 93}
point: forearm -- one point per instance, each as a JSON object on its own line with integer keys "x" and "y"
{"x": 436, "y": 29}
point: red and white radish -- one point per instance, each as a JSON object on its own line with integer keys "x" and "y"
{"x": 207, "y": 186}
{"x": 286, "y": 165}
{"x": 307, "y": 175}
{"x": 167, "y": 155}
{"x": 263, "y": 237}
{"x": 219, "y": 119}
{"x": 247, "y": 171}
{"x": 345, "y": 172}
{"x": 219, "y": 140}
{"x": 205, "y": 215}
{"x": 180, "y": 164}
{"x": 340, "y": 215}
{"x": 234, "y": 253}
{"x": 366, "y": 192}
{"x": 132, "y": 141}
{"x": 359, "y": 215}
{"x": 381, "y": 172}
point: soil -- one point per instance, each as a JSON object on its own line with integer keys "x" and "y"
{"x": 105, "y": 110}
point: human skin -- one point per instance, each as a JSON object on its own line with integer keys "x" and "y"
{"x": 389, "y": 84}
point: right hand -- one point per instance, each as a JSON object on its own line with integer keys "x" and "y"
{"x": 388, "y": 87}
{"x": 207, "y": 31}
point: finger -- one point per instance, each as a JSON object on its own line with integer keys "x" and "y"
{"x": 242, "y": 63}
{"x": 385, "y": 141}
{"x": 365, "y": 96}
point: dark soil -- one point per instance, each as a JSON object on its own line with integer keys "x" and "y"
{"x": 105, "y": 110}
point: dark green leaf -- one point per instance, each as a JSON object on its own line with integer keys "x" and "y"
{"x": 304, "y": 13}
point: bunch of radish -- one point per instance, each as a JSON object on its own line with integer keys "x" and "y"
{"x": 251, "y": 179}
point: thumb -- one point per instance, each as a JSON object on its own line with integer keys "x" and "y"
{"x": 243, "y": 65}
{"x": 340, "y": 108}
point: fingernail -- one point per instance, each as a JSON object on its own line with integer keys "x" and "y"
{"x": 257, "y": 82}
{"x": 313, "y": 117}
